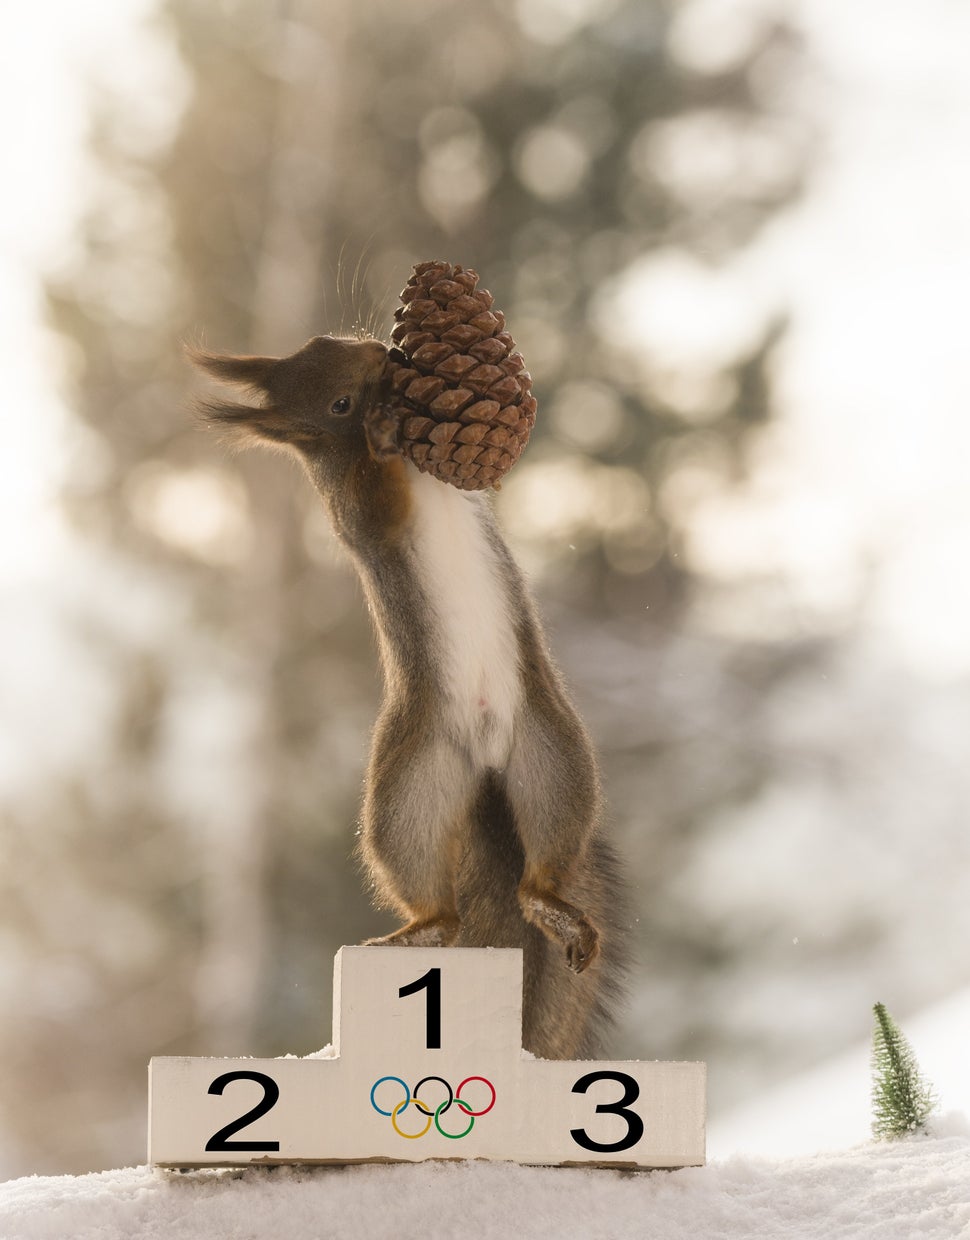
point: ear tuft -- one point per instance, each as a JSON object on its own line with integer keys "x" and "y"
{"x": 262, "y": 423}
{"x": 227, "y": 413}
{"x": 249, "y": 372}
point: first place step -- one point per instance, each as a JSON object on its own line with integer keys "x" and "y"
{"x": 428, "y": 1064}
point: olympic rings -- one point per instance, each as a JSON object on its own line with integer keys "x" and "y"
{"x": 432, "y": 1117}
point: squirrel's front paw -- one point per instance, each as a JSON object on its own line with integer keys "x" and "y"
{"x": 382, "y": 431}
{"x": 583, "y": 948}
{"x": 563, "y": 922}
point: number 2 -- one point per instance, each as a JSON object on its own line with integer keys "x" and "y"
{"x": 218, "y": 1142}
{"x": 431, "y": 982}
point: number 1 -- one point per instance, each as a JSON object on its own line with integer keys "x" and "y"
{"x": 431, "y": 982}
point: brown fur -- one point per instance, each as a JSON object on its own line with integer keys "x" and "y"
{"x": 511, "y": 857}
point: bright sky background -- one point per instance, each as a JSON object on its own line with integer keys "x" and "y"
{"x": 862, "y": 484}
{"x": 52, "y": 51}
{"x": 861, "y": 487}
{"x": 860, "y": 490}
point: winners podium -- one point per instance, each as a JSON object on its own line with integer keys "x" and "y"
{"x": 427, "y": 1063}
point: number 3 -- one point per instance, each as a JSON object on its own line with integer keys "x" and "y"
{"x": 634, "y": 1124}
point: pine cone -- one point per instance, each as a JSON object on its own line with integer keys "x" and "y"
{"x": 460, "y": 401}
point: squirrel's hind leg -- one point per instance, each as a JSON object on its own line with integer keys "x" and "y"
{"x": 429, "y": 932}
{"x": 420, "y": 791}
{"x": 553, "y": 787}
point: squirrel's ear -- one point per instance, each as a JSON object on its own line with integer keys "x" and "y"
{"x": 250, "y": 372}
{"x": 266, "y": 424}
{"x": 247, "y": 372}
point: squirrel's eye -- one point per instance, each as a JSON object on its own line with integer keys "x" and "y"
{"x": 341, "y": 405}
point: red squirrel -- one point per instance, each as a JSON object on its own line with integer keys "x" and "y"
{"x": 481, "y": 812}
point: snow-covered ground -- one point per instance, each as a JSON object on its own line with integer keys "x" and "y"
{"x": 893, "y": 1191}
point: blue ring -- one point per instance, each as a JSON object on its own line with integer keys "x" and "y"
{"x": 407, "y": 1094}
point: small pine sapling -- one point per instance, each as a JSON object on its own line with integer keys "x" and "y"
{"x": 901, "y": 1098}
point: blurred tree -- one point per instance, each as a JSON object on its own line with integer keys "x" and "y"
{"x": 320, "y": 150}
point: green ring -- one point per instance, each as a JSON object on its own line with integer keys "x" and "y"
{"x": 452, "y": 1136}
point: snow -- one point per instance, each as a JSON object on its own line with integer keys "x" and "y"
{"x": 892, "y": 1190}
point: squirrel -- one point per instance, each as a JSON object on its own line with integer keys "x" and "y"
{"x": 481, "y": 819}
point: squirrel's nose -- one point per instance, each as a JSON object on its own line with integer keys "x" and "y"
{"x": 375, "y": 349}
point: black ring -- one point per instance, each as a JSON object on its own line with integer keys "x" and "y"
{"x": 445, "y": 1108}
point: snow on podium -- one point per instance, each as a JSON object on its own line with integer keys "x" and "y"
{"x": 427, "y": 1064}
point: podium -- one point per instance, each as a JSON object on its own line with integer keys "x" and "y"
{"x": 427, "y": 1063}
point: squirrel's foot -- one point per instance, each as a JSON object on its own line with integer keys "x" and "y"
{"x": 421, "y": 932}
{"x": 562, "y": 923}
{"x": 583, "y": 948}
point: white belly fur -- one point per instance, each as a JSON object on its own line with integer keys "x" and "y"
{"x": 475, "y": 627}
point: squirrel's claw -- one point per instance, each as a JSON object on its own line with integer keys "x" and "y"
{"x": 583, "y": 949}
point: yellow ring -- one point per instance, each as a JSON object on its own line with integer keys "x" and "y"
{"x": 411, "y": 1136}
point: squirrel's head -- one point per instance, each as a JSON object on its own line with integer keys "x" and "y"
{"x": 312, "y": 401}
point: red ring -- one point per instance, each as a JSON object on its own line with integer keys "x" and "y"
{"x": 464, "y": 1105}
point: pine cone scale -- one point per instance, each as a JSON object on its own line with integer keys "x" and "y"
{"x": 490, "y": 350}
{"x": 451, "y": 402}
{"x": 453, "y": 369}
{"x": 423, "y": 390}
{"x": 463, "y": 337}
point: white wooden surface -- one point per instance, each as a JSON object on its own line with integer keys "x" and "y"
{"x": 344, "y": 1110}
